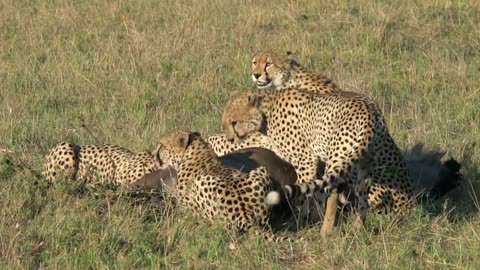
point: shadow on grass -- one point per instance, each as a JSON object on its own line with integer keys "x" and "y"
{"x": 463, "y": 202}
{"x": 449, "y": 189}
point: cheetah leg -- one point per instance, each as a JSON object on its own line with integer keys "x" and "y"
{"x": 330, "y": 213}
{"x": 402, "y": 201}
{"x": 360, "y": 213}
{"x": 361, "y": 192}
{"x": 393, "y": 196}
{"x": 332, "y": 199}
{"x": 336, "y": 169}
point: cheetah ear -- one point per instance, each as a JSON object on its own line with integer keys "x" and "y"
{"x": 193, "y": 135}
{"x": 292, "y": 57}
{"x": 156, "y": 156}
{"x": 186, "y": 138}
{"x": 183, "y": 139}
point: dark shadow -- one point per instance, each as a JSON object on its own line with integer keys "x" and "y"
{"x": 440, "y": 186}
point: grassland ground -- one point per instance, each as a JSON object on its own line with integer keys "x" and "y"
{"x": 134, "y": 70}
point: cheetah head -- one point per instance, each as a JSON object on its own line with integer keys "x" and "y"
{"x": 271, "y": 68}
{"x": 171, "y": 148}
{"x": 242, "y": 116}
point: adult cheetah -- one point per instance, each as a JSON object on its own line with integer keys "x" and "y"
{"x": 345, "y": 130}
{"x": 432, "y": 174}
{"x": 281, "y": 70}
{"x": 108, "y": 163}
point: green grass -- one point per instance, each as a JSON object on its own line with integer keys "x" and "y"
{"x": 134, "y": 70}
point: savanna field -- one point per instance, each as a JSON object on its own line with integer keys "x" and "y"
{"x": 127, "y": 72}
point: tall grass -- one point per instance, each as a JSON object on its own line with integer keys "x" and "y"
{"x": 134, "y": 70}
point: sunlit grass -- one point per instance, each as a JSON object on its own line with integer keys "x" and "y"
{"x": 133, "y": 70}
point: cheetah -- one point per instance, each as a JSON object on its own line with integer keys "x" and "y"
{"x": 345, "y": 130}
{"x": 110, "y": 163}
{"x": 281, "y": 70}
{"x": 114, "y": 164}
{"x": 213, "y": 191}
{"x": 433, "y": 175}
{"x": 430, "y": 171}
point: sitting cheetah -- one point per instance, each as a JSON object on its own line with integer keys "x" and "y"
{"x": 212, "y": 191}
{"x": 281, "y": 70}
{"x": 112, "y": 164}
{"x": 345, "y": 130}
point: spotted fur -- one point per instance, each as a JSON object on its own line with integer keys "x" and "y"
{"x": 212, "y": 191}
{"x": 345, "y": 130}
{"x": 281, "y": 70}
{"x": 108, "y": 163}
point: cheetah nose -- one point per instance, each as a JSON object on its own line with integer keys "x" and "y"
{"x": 256, "y": 75}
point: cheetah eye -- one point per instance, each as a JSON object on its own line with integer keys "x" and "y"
{"x": 254, "y": 63}
{"x": 268, "y": 64}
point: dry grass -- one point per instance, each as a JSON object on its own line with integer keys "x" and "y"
{"x": 134, "y": 70}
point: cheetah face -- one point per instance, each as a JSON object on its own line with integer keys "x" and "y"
{"x": 271, "y": 69}
{"x": 242, "y": 117}
{"x": 171, "y": 149}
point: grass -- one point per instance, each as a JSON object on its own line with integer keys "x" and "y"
{"x": 134, "y": 70}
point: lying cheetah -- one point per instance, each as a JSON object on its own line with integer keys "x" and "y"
{"x": 110, "y": 163}
{"x": 345, "y": 130}
{"x": 212, "y": 191}
{"x": 282, "y": 70}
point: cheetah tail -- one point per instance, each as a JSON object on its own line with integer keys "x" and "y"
{"x": 297, "y": 192}
{"x": 273, "y": 198}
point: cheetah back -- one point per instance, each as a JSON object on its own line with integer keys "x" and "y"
{"x": 308, "y": 126}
